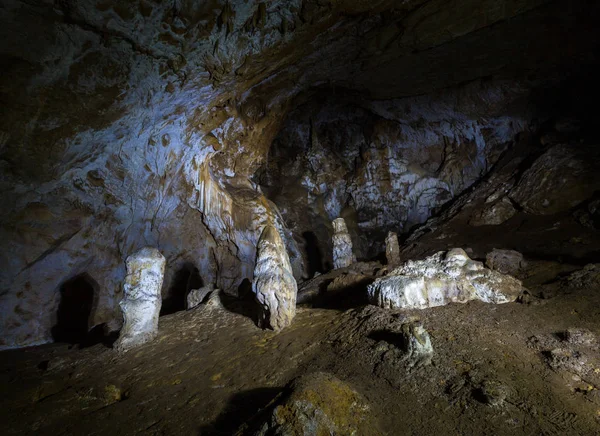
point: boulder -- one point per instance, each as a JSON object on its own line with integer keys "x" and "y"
{"x": 342, "y": 245}
{"x": 440, "y": 279}
{"x": 494, "y": 214}
{"x": 196, "y": 296}
{"x": 392, "y": 249}
{"x": 142, "y": 298}
{"x": 560, "y": 179}
{"x": 274, "y": 285}
{"x": 505, "y": 261}
{"x": 317, "y": 404}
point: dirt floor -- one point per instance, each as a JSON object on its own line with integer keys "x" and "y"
{"x": 496, "y": 370}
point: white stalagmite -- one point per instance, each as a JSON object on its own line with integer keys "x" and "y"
{"x": 441, "y": 279}
{"x": 392, "y": 249}
{"x": 274, "y": 285}
{"x": 342, "y": 245}
{"x": 142, "y": 298}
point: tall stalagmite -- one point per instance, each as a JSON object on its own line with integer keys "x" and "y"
{"x": 274, "y": 284}
{"x": 342, "y": 245}
{"x": 142, "y": 300}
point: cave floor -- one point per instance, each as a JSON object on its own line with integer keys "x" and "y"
{"x": 211, "y": 369}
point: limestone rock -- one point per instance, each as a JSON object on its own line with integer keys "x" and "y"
{"x": 392, "y": 249}
{"x": 417, "y": 344}
{"x": 342, "y": 245}
{"x": 494, "y": 214}
{"x": 318, "y": 404}
{"x": 560, "y": 179}
{"x": 142, "y": 298}
{"x": 505, "y": 261}
{"x": 274, "y": 285}
{"x": 588, "y": 277}
{"x": 196, "y": 296}
{"x": 441, "y": 279}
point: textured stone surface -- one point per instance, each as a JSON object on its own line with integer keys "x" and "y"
{"x": 392, "y": 249}
{"x": 196, "y": 296}
{"x": 319, "y": 404}
{"x": 505, "y": 261}
{"x": 128, "y": 124}
{"x": 440, "y": 279}
{"x": 142, "y": 298}
{"x": 274, "y": 284}
{"x": 342, "y": 245}
{"x": 494, "y": 214}
{"x": 560, "y": 179}
{"x": 417, "y": 344}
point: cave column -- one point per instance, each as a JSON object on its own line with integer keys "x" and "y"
{"x": 274, "y": 285}
{"x": 342, "y": 245}
{"x": 142, "y": 298}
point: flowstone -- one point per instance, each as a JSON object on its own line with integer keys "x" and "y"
{"x": 342, "y": 245}
{"x": 274, "y": 285}
{"x": 142, "y": 298}
{"x": 440, "y": 279}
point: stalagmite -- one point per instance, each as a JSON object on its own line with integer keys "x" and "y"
{"x": 392, "y": 249}
{"x": 274, "y": 285}
{"x": 342, "y": 245}
{"x": 142, "y": 298}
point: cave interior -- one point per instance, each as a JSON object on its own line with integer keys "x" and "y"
{"x": 300, "y": 217}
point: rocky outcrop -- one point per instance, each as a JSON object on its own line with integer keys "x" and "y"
{"x": 142, "y": 298}
{"x": 196, "y": 296}
{"x": 342, "y": 245}
{"x": 317, "y": 404}
{"x": 274, "y": 285}
{"x": 392, "y": 249}
{"x": 440, "y": 279}
{"x": 562, "y": 178}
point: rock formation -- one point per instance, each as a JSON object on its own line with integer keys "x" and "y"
{"x": 440, "y": 279}
{"x": 342, "y": 245}
{"x": 196, "y": 296}
{"x": 392, "y": 249}
{"x": 274, "y": 285}
{"x": 317, "y": 404}
{"x": 417, "y": 344}
{"x": 142, "y": 298}
{"x": 505, "y": 261}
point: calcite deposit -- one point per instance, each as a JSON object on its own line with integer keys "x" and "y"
{"x": 141, "y": 298}
{"x": 392, "y": 249}
{"x": 274, "y": 285}
{"x": 343, "y": 255}
{"x": 441, "y": 279}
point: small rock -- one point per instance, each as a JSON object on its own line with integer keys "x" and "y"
{"x": 493, "y": 392}
{"x": 417, "y": 344}
{"x": 196, "y": 296}
{"x": 505, "y": 261}
{"x": 580, "y": 336}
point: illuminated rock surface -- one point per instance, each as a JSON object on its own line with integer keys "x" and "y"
{"x": 342, "y": 245}
{"x": 142, "y": 298}
{"x": 274, "y": 284}
{"x": 441, "y": 279}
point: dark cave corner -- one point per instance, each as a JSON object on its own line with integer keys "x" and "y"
{"x": 74, "y": 310}
{"x": 313, "y": 254}
{"x": 185, "y": 279}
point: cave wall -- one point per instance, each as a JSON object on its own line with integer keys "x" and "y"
{"x": 388, "y": 165}
{"x": 141, "y": 123}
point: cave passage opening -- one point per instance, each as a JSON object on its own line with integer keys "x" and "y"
{"x": 184, "y": 280}
{"x": 74, "y": 309}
